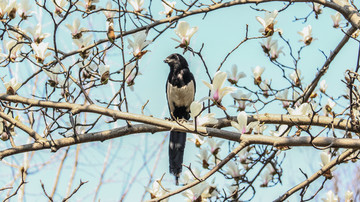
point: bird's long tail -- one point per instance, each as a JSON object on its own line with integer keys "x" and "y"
{"x": 176, "y": 152}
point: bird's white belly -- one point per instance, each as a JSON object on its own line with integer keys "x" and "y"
{"x": 179, "y": 97}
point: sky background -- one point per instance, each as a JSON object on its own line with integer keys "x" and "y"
{"x": 135, "y": 155}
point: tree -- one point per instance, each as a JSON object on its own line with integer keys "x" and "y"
{"x": 69, "y": 70}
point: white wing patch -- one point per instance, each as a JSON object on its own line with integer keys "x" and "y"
{"x": 179, "y": 97}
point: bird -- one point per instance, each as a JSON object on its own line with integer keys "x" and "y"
{"x": 180, "y": 93}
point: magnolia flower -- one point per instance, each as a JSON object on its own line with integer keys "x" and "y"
{"x": 349, "y": 196}
{"x": 330, "y": 197}
{"x": 275, "y": 51}
{"x": 59, "y": 4}
{"x": 323, "y": 86}
{"x": 12, "y": 86}
{"x": 267, "y": 175}
{"x": 138, "y": 44}
{"x": 24, "y": 9}
{"x": 188, "y": 176}
{"x": 195, "y": 113}
{"x": 233, "y": 170}
{"x": 232, "y": 191}
{"x": 257, "y": 71}
{"x": 130, "y": 74}
{"x": 53, "y": 75}
{"x": 13, "y": 47}
{"x": 280, "y": 132}
{"x": 7, "y": 8}
{"x": 167, "y": 9}
{"x": 75, "y": 30}
{"x": 306, "y": 34}
{"x": 184, "y": 32}
{"x": 325, "y": 160}
{"x": 137, "y": 5}
{"x": 265, "y": 87}
{"x": 316, "y": 8}
{"x": 329, "y": 106}
{"x": 109, "y": 14}
{"x": 241, "y": 124}
{"x": 88, "y": 5}
{"x": 295, "y": 76}
{"x": 104, "y": 71}
{"x": 217, "y": 91}
{"x": 214, "y": 145}
{"x": 38, "y": 37}
{"x": 304, "y": 110}
{"x": 197, "y": 193}
{"x": 40, "y": 50}
{"x": 257, "y": 127}
{"x": 234, "y": 76}
{"x": 197, "y": 139}
{"x": 267, "y": 44}
{"x": 336, "y": 19}
{"x": 241, "y": 99}
{"x": 19, "y": 33}
{"x": 268, "y": 23}
{"x": 204, "y": 157}
{"x": 284, "y": 96}
{"x": 82, "y": 43}
{"x": 155, "y": 190}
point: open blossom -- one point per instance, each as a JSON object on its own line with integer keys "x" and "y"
{"x": 267, "y": 44}
{"x": 195, "y": 113}
{"x": 130, "y": 74}
{"x": 155, "y": 190}
{"x": 234, "y": 76}
{"x": 167, "y": 9}
{"x": 284, "y": 96}
{"x": 280, "y": 131}
{"x": 214, "y": 145}
{"x": 204, "y": 157}
{"x": 59, "y": 6}
{"x": 241, "y": 124}
{"x": 184, "y": 32}
{"x": 241, "y": 99}
{"x": 197, "y": 193}
{"x": 81, "y": 43}
{"x": 304, "y": 109}
{"x": 349, "y": 196}
{"x": 323, "y": 86}
{"x": 336, "y": 19}
{"x": 88, "y": 5}
{"x": 13, "y": 47}
{"x": 325, "y": 159}
{"x": 330, "y": 197}
{"x": 329, "y": 107}
{"x": 267, "y": 175}
{"x": 317, "y": 8}
{"x": 104, "y": 71}
{"x": 233, "y": 169}
{"x": 109, "y": 14}
{"x": 295, "y": 76}
{"x": 306, "y": 34}
{"x": 6, "y": 8}
{"x": 268, "y": 23}
{"x": 12, "y": 86}
{"x": 198, "y": 140}
{"x": 37, "y": 34}
{"x": 40, "y": 50}
{"x": 257, "y": 71}
{"x": 217, "y": 91}
{"x": 138, "y": 44}
{"x": 53, "y": 75}
{"x": 24, "y": 9}
{"x": 137, "y": 5}
{"x": 275, "y": 51}
{"x": 75, "y": 29}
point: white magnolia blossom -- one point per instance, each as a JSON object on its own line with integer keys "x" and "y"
{"x": 104, "y": 71}
{"x": 40, "y": 50}
{"x": 267, "y": 175}
{"x": 349, "y": 196}
{"x": 241, "y": 99}
{"x": 268, "y": 23}
{"x": 323, "y": 86}
{"x": 275, "y": 51}
{"x": 88, "y": 5}
{"x": 137, "y": 5}
{"x": 184, "y": 32}
{"x": 257, "y": 72}
{"x": 204, "y": 157}
{"x": 156, "y": 190}
{"x": 138, "y": 44}
{"x": 109, "y": 14}
{"x": 325, "y": 159}
{"x": 53, "y": 75}
{"x": 267, "y": 44}
{"x": 241, "y": 124}
{"x": 75, "y": 29}
{"x": 24, "y": 9}
{"x": 217, "y": 91}
{"x": 257, "y": 127}
{"x": 329, "y": 107}
{"x": 283, "y": 95}
{"x": 330, "y": 197}
{"x": 280, "y": 131}
{"x": 197, "y": 193}
{"x": 167, "y": 9}
{"x": 234, "y": 76}
{"x": 7, "y": 7}
{"x": 296, "y": 77}
{"x": 306, "y": 34}
{"x": 59, "y": 6}
{"x": 130, "y": 74}
{"x": 12, "y": 86}
{"x": 188, "y": 176}
{"x": 198, "y": 140}
{"x": 336, "y": 19}
{"x": 36, "y": 33}
{"x": 304, "y": 110}
{"x": 317, "y": 8}
{"x": 13, "y": 48}
{"x": 195, "y": 109}
{"x": 233, "y": 169}
{"x": 82, "y": 43}
{"x": 214, "y": 145}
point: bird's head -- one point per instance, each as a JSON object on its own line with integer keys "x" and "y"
{"x": 176, "y": 60}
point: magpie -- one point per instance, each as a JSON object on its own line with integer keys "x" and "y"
{"x": 180, "y": 93}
